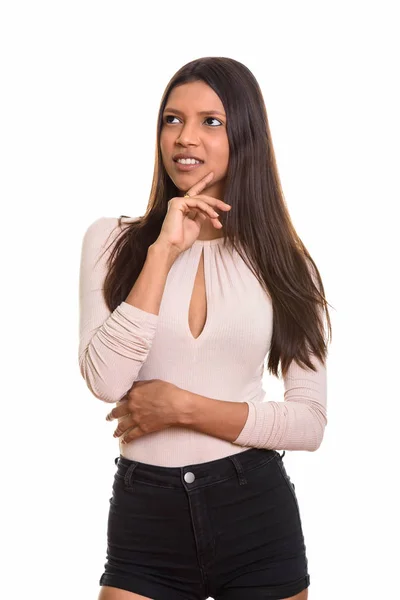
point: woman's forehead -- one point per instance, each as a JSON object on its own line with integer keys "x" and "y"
{"x": 195, "y": 96}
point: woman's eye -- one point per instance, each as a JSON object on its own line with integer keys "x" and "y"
{"x": 169, "y": 117}
{"x": 214, "y": 119}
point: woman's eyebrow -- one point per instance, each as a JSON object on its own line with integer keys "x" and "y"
{"x": 202, "y": 112}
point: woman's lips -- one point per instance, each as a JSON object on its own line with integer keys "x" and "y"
{"x": 180, "y": 167}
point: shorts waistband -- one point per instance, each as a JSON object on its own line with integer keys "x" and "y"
{"x": 197, "y": 475}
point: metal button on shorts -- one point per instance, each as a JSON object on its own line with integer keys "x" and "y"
{"x": 189, "y": 477}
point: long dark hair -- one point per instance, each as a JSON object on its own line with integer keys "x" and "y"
{"x": 258, "y": 226}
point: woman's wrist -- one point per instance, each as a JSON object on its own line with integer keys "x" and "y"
{"x": 164, "y": 252}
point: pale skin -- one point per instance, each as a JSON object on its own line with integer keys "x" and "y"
{"x": 155, "y": 405}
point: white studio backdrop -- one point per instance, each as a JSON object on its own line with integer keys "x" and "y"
{"x": 81, "y": 85}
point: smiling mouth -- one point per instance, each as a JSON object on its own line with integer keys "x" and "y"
{"x": 189, "y": 166}
{"x": 188, "y": 161}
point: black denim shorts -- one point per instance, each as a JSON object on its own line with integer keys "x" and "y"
{"x": 229, "y": 529}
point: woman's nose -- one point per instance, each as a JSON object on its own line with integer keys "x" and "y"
{"x": 188, "y": 136}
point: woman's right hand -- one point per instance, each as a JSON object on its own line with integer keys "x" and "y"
{"x": 185, "y": 216}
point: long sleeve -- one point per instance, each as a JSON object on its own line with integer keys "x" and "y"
{"x": 299, "y": 422}
{"x": 112, "y": 346}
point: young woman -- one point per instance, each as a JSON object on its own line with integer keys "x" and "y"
{"x": 179, "y": 309}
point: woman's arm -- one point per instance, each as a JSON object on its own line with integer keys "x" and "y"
{"x": 113, "y": 347}
{"x": 298, "y": 423}
{"x": 219, "y": 418}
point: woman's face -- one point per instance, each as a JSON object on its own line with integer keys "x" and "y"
{"x": 194, "y": 125}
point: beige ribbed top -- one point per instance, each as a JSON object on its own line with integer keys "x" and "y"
{"x": 226, "y": 362}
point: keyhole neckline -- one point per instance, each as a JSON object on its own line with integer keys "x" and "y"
{"x": 202, "y": 244}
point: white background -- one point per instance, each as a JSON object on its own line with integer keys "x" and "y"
{"x": 81, "y": 85}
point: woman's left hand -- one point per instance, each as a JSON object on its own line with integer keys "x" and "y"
{"x": 149, "y": 406}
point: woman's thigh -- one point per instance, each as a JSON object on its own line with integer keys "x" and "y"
{"x": 302, "y": 596}
{"x": 112, "y": 593}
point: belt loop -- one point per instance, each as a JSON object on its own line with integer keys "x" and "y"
{"x": 116, "y": 460}
{"x": 239, "y": 470}
{"x": 128, "y": 476}
{"x": 283, "y": 454}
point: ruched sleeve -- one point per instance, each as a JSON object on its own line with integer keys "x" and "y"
{"x": 112, "y": 346}
{"x": 297, "y": 423}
